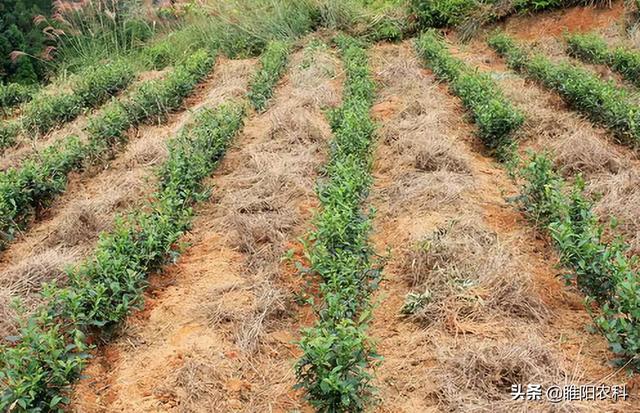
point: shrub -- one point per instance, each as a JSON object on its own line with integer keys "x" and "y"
{"x": 496, "y": 118}
{"x": 96, "y": 85}
{"x": 91, "y": 89}
{"x": 441, "y": 13}
{"x": 31, "y": 186}
{"x": 601, "y": 101}
{"x": 336, "y": 350}
{"x": 9, "y": 131}
{"x": 14, "y": 94}
{"x": 601, "y": 268}
{"x": 273, "y": 63}
{"x": 593, "y": 48}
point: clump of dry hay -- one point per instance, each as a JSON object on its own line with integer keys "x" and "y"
{"x": 147, "y": 151}
{"x": 309, "y": 80}
{"x": 269, "y": 304}
{"x": 226, "y": 304}
{"x": 25, "y": 280}
{"x": 468, "y": 273}
{"x": 477, "y": 377}
{"x": 262, "y": 216}
{"x": 298, "y": 125}
{"x": 422, "y": 192}
{"x": 619, "y": 196}
{"x": 584, "y": 153}
{"x": 246, "y": 310}
{"x": 198, "y": 382}
{"x": 437, "y": 155}
{"x": 80, "y": 223}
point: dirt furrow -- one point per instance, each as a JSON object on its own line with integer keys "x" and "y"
{"x": 69, "y": 229}
{"x": 217, "y": 328}
{"x": 484, "y": 304}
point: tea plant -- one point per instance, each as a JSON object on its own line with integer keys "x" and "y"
{"x": 593, "y": 49}
{"x": 26, "y": 189}
{"x": 601, "y": 101}
{"x": 14, "y": 94}
{"x": 93, "y": 87}
{"x": 496, "y": 118}
{"x": 38, "y": 370}
{"x": 9, "y": 131}
{"x": 273, "y": 63}
{"x": 602, "y": 270}
{"x": 337, "y": 352}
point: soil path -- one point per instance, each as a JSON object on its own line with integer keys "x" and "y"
{"x": 69, "y": 229}
{"x": 217, "y": 328}
{"x": 508, "y": 318}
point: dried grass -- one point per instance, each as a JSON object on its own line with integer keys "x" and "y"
{"x": 79, "y": 224}
{"x": 422, "y": 192}
{"x": 145, "y": 152}
{"x": 470, "y": 274}
{"x": 270, "y": 302}
{"x": 619, "y": 196}
{"x": 25, "y": 280}
{"x": 583, "y": 153}
{"x": 477, "y": 377}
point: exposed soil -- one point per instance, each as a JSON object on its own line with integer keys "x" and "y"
{"x": 554, "y": 23}
{"x": 451, "y": 359}
{"x": 68, "y": 231}
{"x": 217, "y": 329}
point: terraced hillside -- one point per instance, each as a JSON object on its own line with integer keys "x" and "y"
{"x": 336, "y": 210}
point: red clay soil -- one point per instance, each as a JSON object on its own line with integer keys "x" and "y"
{"x": 449, "y": 365}
{"x": 217, "y": 329}
{"x": 573, "y": 19}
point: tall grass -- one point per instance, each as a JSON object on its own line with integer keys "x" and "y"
{"x": 95, "y": 30}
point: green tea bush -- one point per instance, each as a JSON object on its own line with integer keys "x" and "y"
{"x": 601, "y": 101}
{"x": 14, "y": 94}
{"x": 9, "y": 131}
{"x": 593, "y": 49}
{"x": 36, "y": 182}
{"x": 273, "y": 63}
{"x": 337, "y": 352}
{"x": 97, "y": 85}
{"x": 602, "y": 270}
{"x": 495, "y": 116}
{"x": 92, "y": 88}
{"x": 52, "y": 348}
